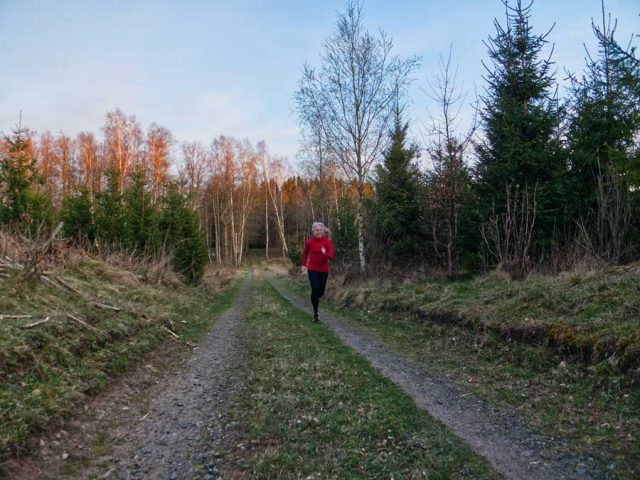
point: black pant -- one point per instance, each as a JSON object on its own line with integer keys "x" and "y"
{"x": 318, "y": 281}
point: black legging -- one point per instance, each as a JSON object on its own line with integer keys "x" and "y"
{"x": 318, "y": 281}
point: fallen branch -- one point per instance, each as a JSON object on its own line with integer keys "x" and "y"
{"x": 36, "y": 253}
{"x": 102, "y": 306}
{"x": 172, "y": 333}
{"x": 189, "y": 344}
{"x": 67, "y": 286}
{"x": 48, "y": 281}
{"x": 81, "y": 322}
{"x": 52, "y": 237}
{"x": 99, "y": 305}
{"x": 35, "y": 324}
{"x": 2, "y": 317}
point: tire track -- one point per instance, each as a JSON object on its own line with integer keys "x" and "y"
{"x": 498, "y": 434}
{"x": 183, "y": 434}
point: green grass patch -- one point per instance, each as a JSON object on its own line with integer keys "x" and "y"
{"x": 595, "y": 406}
{"x": 48, "y": 370}
{"x": 312, "y": 408}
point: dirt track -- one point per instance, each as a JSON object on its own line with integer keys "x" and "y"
{"x": 497, "y": 434}
{"x": 184, "y": 431}
{"x": 181, "y": 436}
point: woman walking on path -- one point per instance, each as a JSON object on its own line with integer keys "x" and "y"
{"x": 317, "y": 252}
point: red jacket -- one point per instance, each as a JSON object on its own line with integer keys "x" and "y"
{"x": 312, "y": 256}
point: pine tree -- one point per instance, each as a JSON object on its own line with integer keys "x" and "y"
{"x": 17, "y": 176}
{"x": 110, "y": 218}
{"x": 521, "y": 149}
{"x": 141, "y": 216}
{"x": 397, "y": 210}
{"x": 182, "y": 236}
{"x": 78, "y": 219}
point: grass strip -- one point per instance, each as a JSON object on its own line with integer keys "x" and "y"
{"x": 595, "y": 407}
{"x": 48, "y": 370}
{"x": 312, "y": 408}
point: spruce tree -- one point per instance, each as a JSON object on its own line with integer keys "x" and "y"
{"x": 141, "y": 216}
{"x": 604, "y": 126}
{"x": 521, "y": 149}
{"x": 397, "y": 211}
{"x": 110, "y": 218}
{"x": 17, "y": 176}
{"x": 604, "y": 118}
{"x": 182, "y": 236}
{"x": 78, "y": 218}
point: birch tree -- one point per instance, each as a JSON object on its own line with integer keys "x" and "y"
{"x": 122, "y": 141}
{"x": 272, "y": 172}
{"x": 88, "y": 158}
{"x": 352, "y": 94}
{"x": 192, "y": 171}
{"x": 158, "y": 150}
{"x": 64, "y": 148}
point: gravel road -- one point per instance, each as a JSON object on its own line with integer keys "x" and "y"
{"x": 183, "y": 434}
{"x": 499, "y": 435}
{"x": 185, "y": 430}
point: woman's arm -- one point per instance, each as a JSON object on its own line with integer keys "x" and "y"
{"x": 329, "y": 250}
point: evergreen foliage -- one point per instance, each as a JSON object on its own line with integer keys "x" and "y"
{"x": 78, "y": 218}
{"x": 182, "y": 236}
{"x": 448, "y": 194}
{"x": 141, "y": 217}
{"x": 397, "y": 212}
{"x": 345, "y": 234}
{"x": 605, "y": 118}
{"x": 17, "y": 177}
{"x": 110, "y": 216}
{"x": 521, "y": 148}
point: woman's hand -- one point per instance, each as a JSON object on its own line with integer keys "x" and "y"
{"x": 303, "y": 269}
{"x": 323, "y": 250}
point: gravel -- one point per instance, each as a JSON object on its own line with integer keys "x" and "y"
{"x": 186, "y": 431}
{"x": 183, "y": 435}
{"x": 498, "y": 434}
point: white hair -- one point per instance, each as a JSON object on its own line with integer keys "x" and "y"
{"x": 327, "y": 232}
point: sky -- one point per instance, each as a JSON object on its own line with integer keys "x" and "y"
{"x": 204, "y": 68}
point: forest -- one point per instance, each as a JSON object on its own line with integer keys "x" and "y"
{"x": 480, "y": 317}
{"x": 535, "y": 183}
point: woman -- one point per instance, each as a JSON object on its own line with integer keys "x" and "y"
{"x": 317, "y": 252}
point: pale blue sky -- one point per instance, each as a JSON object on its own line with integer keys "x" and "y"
{"x": 202, "y": 68}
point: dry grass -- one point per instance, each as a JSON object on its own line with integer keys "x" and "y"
{"x": 97, "y": 328}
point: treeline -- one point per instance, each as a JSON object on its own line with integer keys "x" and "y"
{"x": 145, "y": 193}
{"x": 537, "y": 182}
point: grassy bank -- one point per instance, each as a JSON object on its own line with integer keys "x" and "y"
{"x": 48, "y": 369}
{"x": 312, "y": 408}
{"x": 461, "y": 330}
{"x": 592, "y": 317}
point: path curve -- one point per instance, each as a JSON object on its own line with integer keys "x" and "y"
{"x": 497, "y": 434}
